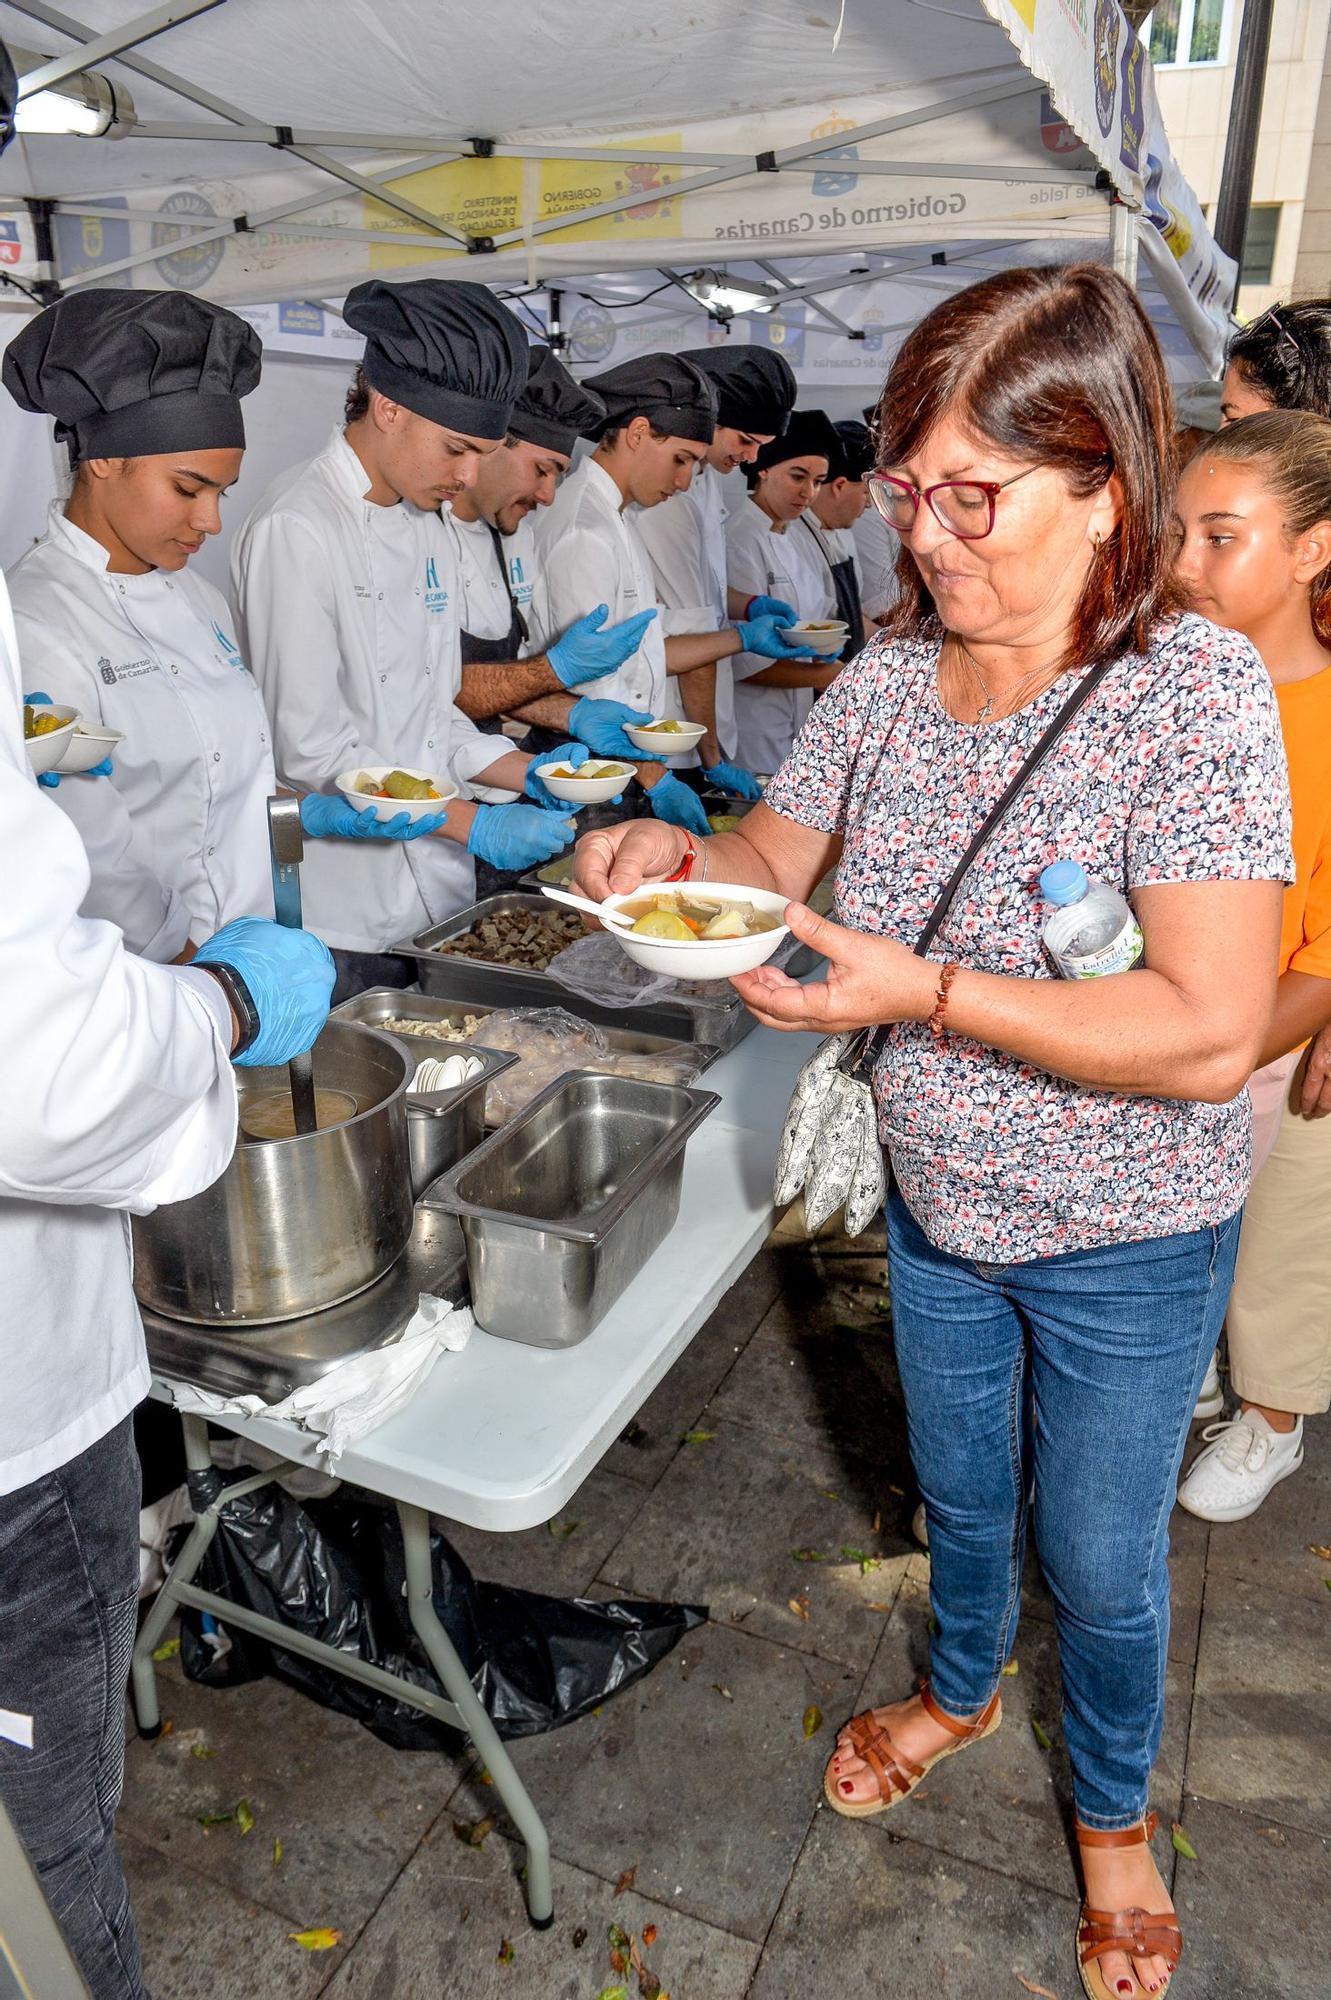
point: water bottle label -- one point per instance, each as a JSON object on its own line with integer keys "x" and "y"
{"x": 1119, "y": 955}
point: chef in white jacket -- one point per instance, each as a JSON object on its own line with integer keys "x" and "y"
{"x": 685, "y": 538}
{"x": 146, "y": 391}
{"x": 661, "y": 418}
{"x": 118, "y": 1096}
{"x": 829, "y": 521}
{"x": 349, "y": 602}
{"x": 763, "y": 554}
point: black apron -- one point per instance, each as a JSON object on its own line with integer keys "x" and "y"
{"x": 846, "y": 588}
{"x": 480, "y": 652}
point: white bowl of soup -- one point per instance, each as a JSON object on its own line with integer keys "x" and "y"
{"x": 389, "y": 789}
{"x": 590, "y": 784}
{"x": 700, "y": 930}
{"x": 823, "y": 635}
{"x": 664, "y": 736}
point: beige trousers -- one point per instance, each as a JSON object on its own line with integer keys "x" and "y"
{"x": 1279, "y": 1318}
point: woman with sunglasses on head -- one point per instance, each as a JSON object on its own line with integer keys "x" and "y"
{"x": 1071, "y": 1156}
{"x": 1254, "y": 511}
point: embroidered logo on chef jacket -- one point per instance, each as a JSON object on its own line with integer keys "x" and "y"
{"x": 107, "y": 671}
{"x": 518, "y": 582}
{"x": 436, "y": 596}
{"x": 229, "y": 649}
{"x": 132, "y": 670}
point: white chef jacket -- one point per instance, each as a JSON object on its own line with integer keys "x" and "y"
{"x": 486, "y": 611}
{"x": 685, "y": 538}
{"x": 117, "y": 1094}
{"x": 177, "y": 837}
{"x": 349, "y": 618}
{"x": 589, "y": 551}
{"x": 877, "y": 549}
{"x": 763, "y": 562}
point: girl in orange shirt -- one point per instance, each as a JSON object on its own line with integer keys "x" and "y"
{"x": 1254, "y": 511}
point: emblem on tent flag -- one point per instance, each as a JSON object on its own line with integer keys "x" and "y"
{"x": 1107, "y": 21}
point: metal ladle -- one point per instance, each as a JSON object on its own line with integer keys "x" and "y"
{"x": 287, "y": 843}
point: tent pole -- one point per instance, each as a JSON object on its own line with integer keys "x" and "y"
{"x": 1123, "y": 241}
{"x": 142, "y": 29}
{"x": 1245, "y": 117}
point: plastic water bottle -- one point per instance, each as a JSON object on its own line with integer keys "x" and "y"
{"x": 1091, "y": 930}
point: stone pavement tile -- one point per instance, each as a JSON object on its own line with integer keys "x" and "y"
{"x": 1006, "y": 1796}
{"x": 722, "y": 1526}
{"x": 202, "y": 1942}
{"x": 1273, "y": 1547}
{"x": 870, "y": 1913}
{"x": 1261, "y": 1721}
{"x": 562, "y": 1557}
{"x": 440, "y": 1933}
{"x": 708, "y": 1794}
{"x": 1253, "y": 1908}
{"x": 347, "y": 1808}
{"x": 1188, "y": 1542}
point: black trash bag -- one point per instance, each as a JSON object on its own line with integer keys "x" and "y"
{"x": 334, "y": 1569}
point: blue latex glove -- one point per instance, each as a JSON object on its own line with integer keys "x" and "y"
{"x": 766, "y": 636}
{"x": 739, "y": 783}
{"x": 585, "y": 652}
{"x": 519, "y": 836}
{"x": 600, "y": 725}
{"x": 290, "y": 977}
{"x": 51, "y": 779}
{"x": 670, "y": 800}
{"x": 536, "y": 788}
{"x": 324, "y": 817}
{"x": 771, "y": 607}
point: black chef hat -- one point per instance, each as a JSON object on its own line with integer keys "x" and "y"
{"x": 810, "y": 433}
{"x": 132, "y": 374}
{"x": 553, "y": 410}
{"x": 8, "y": 97}
{"x": 448, "y": 350}
{"x": 755, "y": 386}
{"x": 665, "y": 388}
{"x": 855, "y": 454}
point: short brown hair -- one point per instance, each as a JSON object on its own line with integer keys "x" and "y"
{"x": 1291, "y": 449}
{"x": 1059, "y": 365}
{"x": 358, "y": 399}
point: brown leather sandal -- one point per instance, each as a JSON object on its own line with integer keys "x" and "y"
{"x": 1139, "y": 1933}
{"x": 896, "y": 1774}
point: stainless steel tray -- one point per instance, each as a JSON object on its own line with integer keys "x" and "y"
{"x": 270, "y": 1361}
{"x": 563, "y": 1206}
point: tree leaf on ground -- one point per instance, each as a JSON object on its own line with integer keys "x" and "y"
{"x": 876, "y": 1525}
{"x": 863, "y": 1558}
{"x": 167, "y": 1650}
{"x": 1327, "y": 1581}
{"x": 1031, "y": 1987}
{"x": 617, "y": 1939}
{"x": 808, "y": 1556}
{"x": 472, "y": 1832}
{"x": 206, "y": 1820}
{"x": 724, "y": 1692}
{"x": 322, "y": 1939}
{"x": 626, "y": 1880}
{"x": 1320, "y": 1549}
{"x": 505, "y": 1952}
{"x": 201, "y": 1750}
{"x": 1182, "y": 1845}
{"x": 648, "y": 1935}
{"x": 828, "y": 1494}
{"x": 579, "y": 1937}
{"x": 900, "y": 1491}
{"x": 619, "y": 1961}
{"x": 1272, "y": 1833}
{"x": 561, "y": 1530}
{"x": 878, "y": 1607}
{"x": 813, "y": 1722}
{"x": 245, "y": 1816}
{"x": 1012, "y": 1668}
{"x": 800, "y": 1607}
{"x": 613, "y": 1993}
{"x": 1040, "y": 1735}
{"x": 697, "y": 1437}
{"x": 277, "y": 1852}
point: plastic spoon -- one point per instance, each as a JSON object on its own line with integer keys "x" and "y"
{"x": 585, "y": 903}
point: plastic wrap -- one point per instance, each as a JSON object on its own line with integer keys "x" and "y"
{"x": 549, "y": 1043}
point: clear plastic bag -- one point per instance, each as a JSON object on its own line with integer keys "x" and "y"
{"x": 549, "y": 1043}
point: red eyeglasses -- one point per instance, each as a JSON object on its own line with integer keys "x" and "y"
{"x": 965, "y": 507}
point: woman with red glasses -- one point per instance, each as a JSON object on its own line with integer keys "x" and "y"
{"x": 1070, "y": 1156}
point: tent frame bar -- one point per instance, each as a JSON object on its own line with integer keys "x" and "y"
{"x": 130, "y": 35}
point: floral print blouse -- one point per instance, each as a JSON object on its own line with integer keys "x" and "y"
{"x": 1173, "y": 771}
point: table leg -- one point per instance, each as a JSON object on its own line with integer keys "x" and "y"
{"x": 455, "y": 1682}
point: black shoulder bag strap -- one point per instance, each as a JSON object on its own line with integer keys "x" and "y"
{"x": 862, "y": 1055}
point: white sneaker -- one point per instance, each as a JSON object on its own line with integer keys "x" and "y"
{"x": 1211, "y": 1401}
{"x": 1244, "y": 1458}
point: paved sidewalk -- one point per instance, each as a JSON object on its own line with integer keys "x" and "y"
{"x": 701, "y": 1787}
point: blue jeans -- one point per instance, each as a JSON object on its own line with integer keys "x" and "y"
{"x": 1077, "y": 1374}
{"x": 69, "y": 1586}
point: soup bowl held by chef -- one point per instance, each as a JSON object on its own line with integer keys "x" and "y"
{"x": 146, "y": 392}
{"x": 1070, "y": 1157}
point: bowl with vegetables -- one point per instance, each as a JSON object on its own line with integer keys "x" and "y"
{"x": 89, "y": 745}
{"x": 389, "y": 789}
{"x": 708, "y": 930}
{"x": 47, "y": 731}
{"x": 821, "y": 635}
{"x": 589, "y": 784}
{"x": 664, "y": 736}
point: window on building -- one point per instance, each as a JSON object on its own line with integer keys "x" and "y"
{"x": 1259, "y": 244}
{"x": 1188, "y": 31}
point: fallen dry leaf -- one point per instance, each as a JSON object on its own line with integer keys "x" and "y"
{"x": 1320, "y": 1549}
{"x": 808, "y": 1556}
{"x": 878, "y": 1607}
{"x": 1031, "y": 1987}
{"x": 321, "y": 1939}
{"x": 800, "y": 1607}
{"x": 505, "y": 1952}
{"x": 649, "y": 1935}
{"x": 724, "y": 1692}
{"x": 472, "y": 1833}
{"x": 876, "y": 1527}
{"x": 813, "y": 1722}
{"x": 1273, "y": 1834}
{"x": 579, "y": 1937}
{"x": 245, "y": 1816}
{"x": 626, "y": 1880}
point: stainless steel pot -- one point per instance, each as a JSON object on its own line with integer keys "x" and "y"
{"x": 297, "y": 1224}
